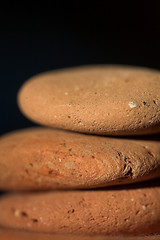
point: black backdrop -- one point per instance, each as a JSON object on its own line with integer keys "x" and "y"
{"x": 50, "y": 35}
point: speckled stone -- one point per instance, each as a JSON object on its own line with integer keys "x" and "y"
{"x": 105, "y": 100}
{"x": 41, "y": 159}
{"x": 8, "y": 234}
{"x": 115, "y": 211}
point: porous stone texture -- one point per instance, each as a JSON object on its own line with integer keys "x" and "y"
{"x": 104, "y": 99}
{"x": 8, "y": 234}
{"x": 115, "y": 211}
{"x": 42, "y": 159}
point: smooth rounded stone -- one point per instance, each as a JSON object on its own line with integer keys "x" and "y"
{"x": 104, "y": 100}
{"x": 45, "y": 159}
{"x": 115, "y": 211}
{"x": 10, "y": 234}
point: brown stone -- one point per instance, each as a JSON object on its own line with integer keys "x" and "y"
{"x": 118, "y": 211}
{"x": 41, "y": 159}
{"x": 8, "y": 234}
{"x": 105, "y": 100}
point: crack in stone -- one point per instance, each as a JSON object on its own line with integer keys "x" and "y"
{"x": 127, "y": 165}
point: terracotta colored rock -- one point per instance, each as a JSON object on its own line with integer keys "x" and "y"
{"x": 8, "y": 234}
{"x": 41, "y": 159}
{"x": 105, "y": 100}
{"x": 115, "y": 211}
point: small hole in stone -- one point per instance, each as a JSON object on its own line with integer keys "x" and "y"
{"x": 151, "y": 153}
{"x": 144, "y": 103}
{"x": 24, "y": 214}
{"x": 71, "y": 211}
{"x": 126, "y": 219}
{"x": 34, "y": 220}
{"x": 50, "y": 172}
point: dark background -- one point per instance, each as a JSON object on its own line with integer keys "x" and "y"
{"x": 43, "y": 36}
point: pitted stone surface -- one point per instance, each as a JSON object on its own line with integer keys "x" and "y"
{"x": 105, "y": 100}
{"x": 47, "y": 159}
{"x": 115, "y": 211}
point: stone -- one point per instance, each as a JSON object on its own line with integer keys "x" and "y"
{"x": 48, "y": 159}
{"x": 100, "y": 99}
{"x": 119, "y": 211}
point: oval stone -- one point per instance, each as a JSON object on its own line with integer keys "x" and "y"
{"x": 119, "y": 211}
{"x": 47, "y": 159}
{"x": 105, "y": 100}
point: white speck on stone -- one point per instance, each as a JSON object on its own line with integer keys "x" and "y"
{"x": 60, "y": 160}
{"x": 55, "y": 116}
{"x": 127, "y": 115}
{"x": 34, "y": 209}
{"x": 16, "y": 213}
{"x": 29, "y": 224}
{"x": 42, "y": 220}
{"x": 132, "y": 199}
{"x": 151, "y": 121}
{"x": 66, "y": 93}
{"x": 143, "y": 207}
{"x": 69, "y": 165}
{"x": 68, "y": 105}
{"x": 133, "y": 104}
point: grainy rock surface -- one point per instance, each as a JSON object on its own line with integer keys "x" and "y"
{"x": 41, "y": 159}
{"x": 115, "y": 211}
{"x": 105, "y": 100}
{"x": 8, "y": 234}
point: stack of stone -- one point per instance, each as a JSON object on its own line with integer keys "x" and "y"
{"x": 93, "y": 178}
